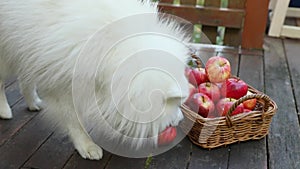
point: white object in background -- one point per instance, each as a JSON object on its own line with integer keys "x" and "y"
{"x": 280, "y": 11}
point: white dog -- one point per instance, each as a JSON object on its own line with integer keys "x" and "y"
{"x": 55, "y": 45}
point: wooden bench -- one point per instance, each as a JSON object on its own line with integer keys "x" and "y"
{"x": 281, "y": 10}
{"x": 244, "y": 20}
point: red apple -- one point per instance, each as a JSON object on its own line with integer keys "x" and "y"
{"x": 247, "y": 110}
{"x": 167, "y": 136}
{"x": 217, "y": 69}
{"x": 202, "y": 104}
{"x": 213, "y": 114}
{"x": 234, "y": 88}
{"x": 211, "y": 90}
{"x": 192, "y": 89}
{"x": 196, "y": 76}
{"x": 249, "y": 104}
{"x": 225, "y": 104}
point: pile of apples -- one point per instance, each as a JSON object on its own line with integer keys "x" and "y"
{"x": 213, "y": 91}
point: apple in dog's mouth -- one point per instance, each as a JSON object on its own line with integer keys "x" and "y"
{"x": 167, "y": 136}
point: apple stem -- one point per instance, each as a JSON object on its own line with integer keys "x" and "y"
{"x": 223, "y": 64}
{"x": 202, "y": 98}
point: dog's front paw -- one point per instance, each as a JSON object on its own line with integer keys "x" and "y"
{"x": 90, "y": 151}
{"x": 36, "y": 105}
{"x": 5, "y": 112}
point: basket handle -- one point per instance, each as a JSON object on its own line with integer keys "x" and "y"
{"x": 263, "y": 97}
{"x": 198, "y": 60}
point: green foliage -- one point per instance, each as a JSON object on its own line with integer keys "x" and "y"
{"x": 148, "y": 161}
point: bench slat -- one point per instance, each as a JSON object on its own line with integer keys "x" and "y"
{"x": 238, "y": 4}
{"x": 232, "y": 18}
{"x": 166, "y": 1}
{"x": 188, "y": 2}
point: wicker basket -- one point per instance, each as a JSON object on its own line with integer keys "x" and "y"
{"x": 220, "y": 131}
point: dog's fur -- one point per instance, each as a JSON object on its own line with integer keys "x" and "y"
{"x": 42, "y": 40}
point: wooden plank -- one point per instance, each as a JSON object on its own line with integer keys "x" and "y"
{"x": 166, "y": 1}
{"x": 77, "y": 162}
{"x": 251, "y": 154}
{"x": 176, "y": 158}
{"x": 168, "y": 159}
{"x": 232, "y": 18}
{"x": 298, "y": 21}
{"x": 283, "y": 140}
{"x": 293, "y": 12}
{"x": 290, "y": 31}
{"x": 250, "y": 52}
{"x": 233, "y": 37}
{"x": 17, "y": 150}
{"x": 8, "y": 128}
{"x": 239, "y": 4}
{"x": 251, "y": 71}
{"x": 53, "y": 154}
{"x": 188, "y": 2}
{"x": 255, "y": 24}
{"x": 211, "y": 31}
{"x": 118, "y": 162}
{"x": 212, "y": 3}
{"x": 292, "y": 53}
{"x": 214, "y": 48}
{"x": 12, "y": 94}
{"x": 10, "y": 81}
{"x": 218, "y": 157}
{"x": 279, "y": 15}
{"x": 209, "y": 159}
{"x": 272, "y": 4}
{"x": 204, "y": 39}
{"x": 290, "y": 21}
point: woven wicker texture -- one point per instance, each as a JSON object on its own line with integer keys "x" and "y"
{"x": 220, "y": 131}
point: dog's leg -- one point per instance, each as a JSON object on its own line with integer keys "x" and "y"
{"x": 83, "y": 142}
{"x": 5, "y": 111}
{"x": 31, "y": 97}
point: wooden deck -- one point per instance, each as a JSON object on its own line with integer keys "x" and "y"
{"x": 25, "y": 142}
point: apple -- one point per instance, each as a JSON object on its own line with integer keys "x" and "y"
{"x": 234, "y": 88}
{"x": 192, "y": 89}
{"x": 225, "y": 104}
{"x": 167, "y": 136}
{"x": 249, "y": 104}
{"x": 217, "y": 69}
{"x": 212, "y": 115}
{"x": 202, "y": 104}
{"x": 196, "y": 76}
{"x": 247, "y": 110}
{"x": 211, "y": 90}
